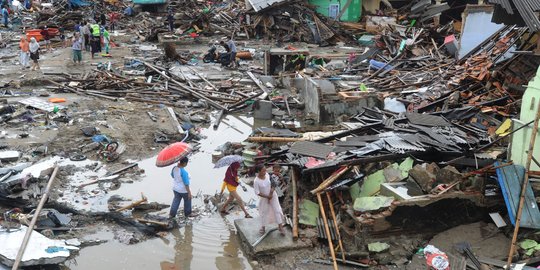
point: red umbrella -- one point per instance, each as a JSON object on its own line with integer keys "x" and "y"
{"x": 172, "y": 154}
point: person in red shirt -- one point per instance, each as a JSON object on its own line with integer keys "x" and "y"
{"x": 113, "y": 18}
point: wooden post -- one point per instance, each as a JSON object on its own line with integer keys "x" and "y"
{"x": 331, "y": 179}
{"x": 30, "y": 228}
{"x": 524, "y": 186}
{"x": 331, "y": 204}
{"x": 327, "y": 230}
{"x": 294, "y": 175}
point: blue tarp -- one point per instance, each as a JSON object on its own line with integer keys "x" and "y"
{"x": 510, "y": 179}
{"x": 79, "y": 3}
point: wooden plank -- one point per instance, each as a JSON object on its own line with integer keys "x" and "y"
{"x": 510, "y": 179}
{"x": 175, "y": 120}
{"x": 258, "y": 82}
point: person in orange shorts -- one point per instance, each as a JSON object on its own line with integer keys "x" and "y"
{"x": 231, "y": 183}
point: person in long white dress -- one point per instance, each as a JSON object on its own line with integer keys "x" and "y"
{"x": 269, "y": 208}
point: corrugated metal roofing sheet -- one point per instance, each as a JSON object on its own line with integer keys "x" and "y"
{"x": 311, "y": 149}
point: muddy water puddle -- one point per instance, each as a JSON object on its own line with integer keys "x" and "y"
{"x": 207, "y": 242}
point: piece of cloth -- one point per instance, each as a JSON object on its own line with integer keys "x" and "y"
{"x": 94, "y": 44}
{"x": 34, "y": 56}
{"x": 94, "y": 29}
{"x": 231, "y": 175}
{"x": 269, "y": 210}
{"x": 77, "y": 55}
{"x": 24, "y": 58}
{"x": 45, "y": 34}
{"x": 232, "y": 46}
{"x": 178, "y": 197}
{"x": 5, "y": 16}
{"x": 106, "y": 40}
{"x": 180, "y": 179}
{"x": 33, "y": 46}
{"x": 77, "y": 44}
{"x": 230, "y": 188}
{"x": 23, "y": 44}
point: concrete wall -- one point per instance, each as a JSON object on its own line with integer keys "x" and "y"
{"x": 330, "y": 111}
{"x": 522, "y": 138}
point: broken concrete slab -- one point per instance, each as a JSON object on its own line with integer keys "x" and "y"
{"x": 364, "y": 204}
{"x": 248, "y": 230}
{"x": 40, "y": 249}
{"x": 309, "y": 212}
{"x": 37, "y": 170}
{"x": 10, "y": 155}
{"x": 448, "y": 175}
{"x": 422, "y": 176}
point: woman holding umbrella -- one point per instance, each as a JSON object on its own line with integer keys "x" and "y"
{"x": 231, "y": 183}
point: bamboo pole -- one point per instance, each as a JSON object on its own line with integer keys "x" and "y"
{"x": 331, "y": 179}
{"x": 331, "y": 204}
{"x": 294, "y": 175}
{"x": 30, "y": 228}
{"x": 524, "y": 186}
{"x": 327, "y": 230}
{"x": 204, "y": 79}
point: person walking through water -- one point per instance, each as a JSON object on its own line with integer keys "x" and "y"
{"x": 181, "y": 189}
{"x": 25, "y": 52}
{"x": 231, "y": 183}
{"x": 34, "y": 53}
{"x": 269, "y": 208}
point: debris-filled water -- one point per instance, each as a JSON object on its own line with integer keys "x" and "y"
{"x": 208, "y": 242}
{"x": 393, "y": 136}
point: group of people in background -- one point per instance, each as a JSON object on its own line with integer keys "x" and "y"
{"x": 86, "y": 36}
{"x": 92, "y": 35}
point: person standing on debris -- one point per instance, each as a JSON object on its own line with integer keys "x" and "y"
{"x": 5, "y": 16}
{"x": 103, "y": 19}
{"x": 63, "y": 37}
{"x": 231, "y": 183}
{"x": 77, "y": 48}
{"x": 34, "y": 53}
{"x": 85, "y": 32}
{"x": 181, "y": 189}
{"x": 113, "y": 17}
{"x": 106, "y": 40}
{"x": 170, "y": 20}
{"x": 269, "y": 209}
{"x": 95, "y": 42}
{"x": 45, "y": 34}
{"x": 25, "y": 52}
{"x": 232, "y": 47}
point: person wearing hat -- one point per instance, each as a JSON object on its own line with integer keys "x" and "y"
{"x": 181, "y": 189}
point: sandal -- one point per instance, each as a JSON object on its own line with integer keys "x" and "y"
{"x": 248, "y": 216}
{"x": 262, "y": 231}
{"x": 224, "y": 212}
{"x": 282, "y": 232}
